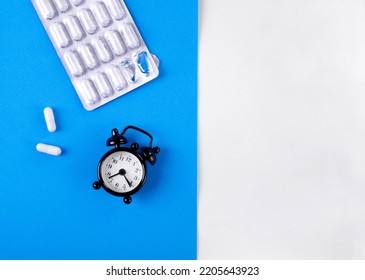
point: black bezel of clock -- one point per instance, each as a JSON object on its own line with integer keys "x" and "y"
{"x": 143, "y": 154}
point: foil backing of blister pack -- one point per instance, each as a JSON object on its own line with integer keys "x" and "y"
{"x": 99, "y": 45}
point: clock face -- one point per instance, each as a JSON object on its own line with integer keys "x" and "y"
{"x": 122, "y": 172}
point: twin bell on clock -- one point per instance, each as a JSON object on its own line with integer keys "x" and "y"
{"x": 122, "y": 171}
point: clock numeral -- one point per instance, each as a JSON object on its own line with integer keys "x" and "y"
{"x": 128, "y": 159}
{"x": 115, "y": 161}
{"x": 108, "y": 174}
{"x": 109, "y": 166}
{"x": 117, "y": 185}
{"x": 110, "y": 180}
{"x": 135, "y": 178}
{"x": 137, "y": 170}
{"x": 121, "y": 158}
{"x": 124, "y": 186}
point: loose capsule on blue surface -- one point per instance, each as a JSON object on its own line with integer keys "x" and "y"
{"x": 48, "y": 149}
{"x": 50, "y": 120}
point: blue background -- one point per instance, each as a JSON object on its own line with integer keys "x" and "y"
{"x": 48, "y": 209}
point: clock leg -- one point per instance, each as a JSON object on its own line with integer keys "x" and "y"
{"x": 127, "y": 200}
{"x": 96, "y": 185}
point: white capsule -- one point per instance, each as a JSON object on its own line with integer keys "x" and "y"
{"x": 130, "y": 35}
{"x": 102, "y": 84}
{"x": 115, "y": 42}
{"x": 60, "y": 35}
{"x": 102, "y": 50}
{"x": 116, "y": 78}
{"x": 50, "y": 120}
{"x": 46, "y": 9}
{"x": 49, "y": 149}
{"x": 77, "y": 2}
{"x": 73, "y": 63}
{"x": 88, "y": 21}
{"x": 88, "y": 92}
{"x": 74, "y": 27}
{"x": 115, "y": 8}
{"x": 101, "y": 13}
{"x": 62, "y": 5}
{"x": 88, "y": 56}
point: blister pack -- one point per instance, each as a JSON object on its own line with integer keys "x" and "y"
{"x": 100, "y": 47}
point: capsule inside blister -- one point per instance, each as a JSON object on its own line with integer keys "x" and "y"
{"x": 74, "y": 27}
{"x": 101, "y": 13}
{"x": 99, "y": 45}
{"x": 115, "y": 42}
{"x": 129, "y": 71}
{"x": 59, "y": 34}
{"x": 143, "y": 63}
{"x": 88, "y": 56}
{"x": 46, "y": 8}
{"x": 102, "y": 84}
{"x": 77, "y": 2}
{"x": 116, "y": 78}
{"x": 130, "y": 35}
{"x": 74, "y": 63}
{"x": 102, "y": 50}
{"x": 115, "y": 8}
{"x": 88, "y": 21}
{"x": 62, "y": 5}
{"x": 88, "y": 91}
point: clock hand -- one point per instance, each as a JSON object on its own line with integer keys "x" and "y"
{"x": 121, "y": 172}
{"x": 129, "y": 183}
{"x": 114, "y": 175}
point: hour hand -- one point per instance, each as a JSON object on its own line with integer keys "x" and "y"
{"x": 114, "y": 175}
{"x": 120, "y": 172}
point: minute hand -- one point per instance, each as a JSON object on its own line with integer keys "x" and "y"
{"x": 129, "y": 183}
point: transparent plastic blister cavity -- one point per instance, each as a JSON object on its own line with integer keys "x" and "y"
{"x": 100, "y": 47}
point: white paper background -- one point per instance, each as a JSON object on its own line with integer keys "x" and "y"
{"x": 282, "y": 129}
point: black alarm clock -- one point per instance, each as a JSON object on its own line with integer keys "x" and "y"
{"x": 122, "y": 171}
